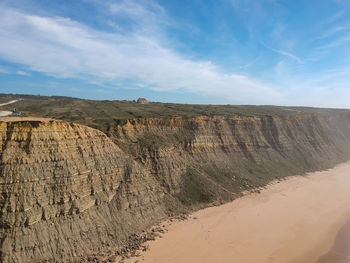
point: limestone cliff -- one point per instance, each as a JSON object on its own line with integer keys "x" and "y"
{"x": 68, "y": 190}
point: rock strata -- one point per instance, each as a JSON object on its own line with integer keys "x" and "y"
{"x": 67, "y": 190}
{"x": 70, "y": 192}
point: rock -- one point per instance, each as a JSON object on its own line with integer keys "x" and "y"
{"x": 68, "y": 190}
{"x": 48, "y": 169}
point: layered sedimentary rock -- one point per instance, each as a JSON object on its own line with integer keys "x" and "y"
{"x": 68, "y": 190}
{"x": 236, "y": 152}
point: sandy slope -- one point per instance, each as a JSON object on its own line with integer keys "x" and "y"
{"x": 295, "y": 220}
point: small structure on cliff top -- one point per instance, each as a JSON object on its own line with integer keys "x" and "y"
{"x": 142, "y": 101}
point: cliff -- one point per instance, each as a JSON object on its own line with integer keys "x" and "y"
{"x": 232, "y": 154}
{"x": 68, "y": 190}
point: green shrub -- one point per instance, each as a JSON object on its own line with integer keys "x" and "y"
{"x": 194, "y": 189}
{"x": 151, "y": 141}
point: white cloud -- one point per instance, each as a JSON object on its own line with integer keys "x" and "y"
{"x": 65, "y": 48}
{"x": 23, "y": 73}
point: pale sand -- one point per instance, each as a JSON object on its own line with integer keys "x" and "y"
{"x": 296, "y": 220}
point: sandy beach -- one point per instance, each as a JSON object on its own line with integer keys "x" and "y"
{"x": 295, "y": 220}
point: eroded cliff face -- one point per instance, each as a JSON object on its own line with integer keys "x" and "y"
{"x": 68, "y": 190}
{"x": 232, "y": 154}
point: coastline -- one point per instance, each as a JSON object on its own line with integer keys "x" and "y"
{"x": 294, "y": 220}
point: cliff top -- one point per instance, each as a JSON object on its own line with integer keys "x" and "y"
{"x": 15, "y": 119}
{"x": 104, "y": 114}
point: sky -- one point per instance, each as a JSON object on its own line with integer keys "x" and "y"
{"x": 261, "y": 52}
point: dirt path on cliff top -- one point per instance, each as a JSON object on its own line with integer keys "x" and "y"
{"x": 7, "y": 103}
{"x": 6, "y": 112}
{"x": 295, "y": 220}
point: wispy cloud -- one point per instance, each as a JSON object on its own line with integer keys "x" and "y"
{"x": 145, "y": 17}
{"x": 65, "y": 48}
{"x": 330, "y": 32}
{"x": 139, "y": 45}
{"x": 249, "y": 64}
{"x": 344, "y": 39}
{"x": 23, "y": 73}
{"x": 285, "y": 53}
{"x": 334, "y": 17}
{"x": 145, "y": 11}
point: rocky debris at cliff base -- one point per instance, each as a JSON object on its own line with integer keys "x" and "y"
{"x": 134, "y": 245}
{"x": 181, "y": 217}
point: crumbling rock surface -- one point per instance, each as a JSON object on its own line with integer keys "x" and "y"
{"x": 69, "y": 191}
{"x": 239, "y": 150}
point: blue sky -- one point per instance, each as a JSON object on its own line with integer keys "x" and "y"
{"x": 279, "y": 52}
